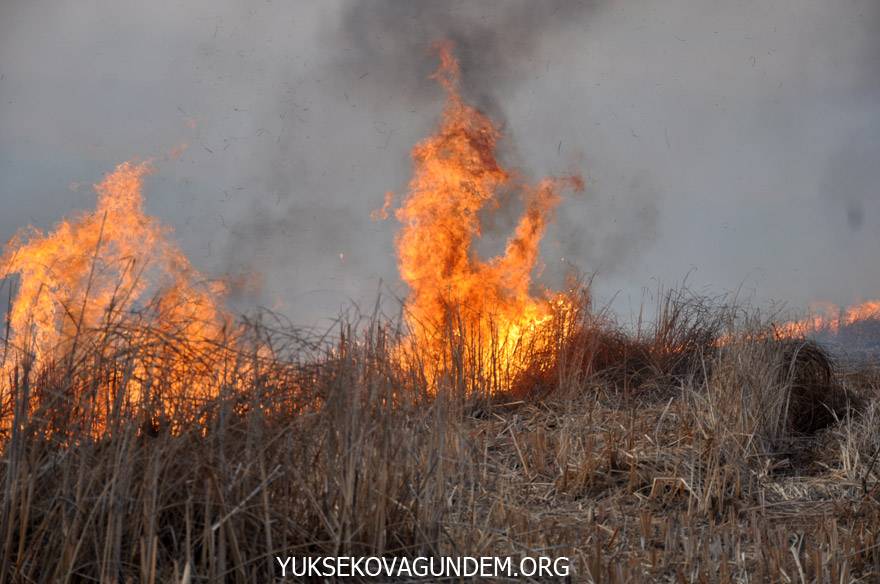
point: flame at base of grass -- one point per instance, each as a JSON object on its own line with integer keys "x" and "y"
{"x": 110, "y": 288}
{"x": 829, "y": 318}
{"x": 455, "y": 297}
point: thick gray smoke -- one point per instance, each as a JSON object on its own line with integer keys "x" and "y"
{"x": 735, "y": 139}
{"x": 386, "y": 48}
{"x": 389, "y": 42}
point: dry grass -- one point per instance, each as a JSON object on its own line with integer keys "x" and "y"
{"x": 666, "y": 454}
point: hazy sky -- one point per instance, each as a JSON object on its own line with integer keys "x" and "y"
{"x": 738, "y": 140}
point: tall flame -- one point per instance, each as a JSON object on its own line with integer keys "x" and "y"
{"x": 99, "y": 263}
{"x": 80, "y": 285}
{"x": 456, "y": 175}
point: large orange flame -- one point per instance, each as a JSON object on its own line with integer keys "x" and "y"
{"x": 101, "y": 263}
{"x": 456, "y": 175}
{"x": 85, "y": 286}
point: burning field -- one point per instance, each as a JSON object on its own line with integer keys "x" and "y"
{"x": 149, "y": 434}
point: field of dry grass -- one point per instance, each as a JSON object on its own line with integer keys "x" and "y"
{"x": 697, "y": 448}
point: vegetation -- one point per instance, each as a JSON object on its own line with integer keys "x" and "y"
{"x": 699, "y": 448}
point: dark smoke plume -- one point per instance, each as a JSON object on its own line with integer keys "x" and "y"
{"x": 387, "y": 43}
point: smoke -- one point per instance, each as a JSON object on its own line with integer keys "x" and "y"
{"x": 387, "y": 43}
{"x": 384, "y": 49}
{"x": 381, "y": 54}
{"x": 850, "y": 185}
{"x": 737, "y": 139}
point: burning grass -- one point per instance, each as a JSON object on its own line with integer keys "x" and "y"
{"x": 146, "y": 435}
{"x": 658, "y": 454}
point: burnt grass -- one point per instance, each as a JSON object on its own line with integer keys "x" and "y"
{"x": 695, "y": 448}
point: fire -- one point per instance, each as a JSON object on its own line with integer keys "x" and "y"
{"x": 456, "y": 175}
{"x": 78, "y": 284}
{"x": 829, "y": 318}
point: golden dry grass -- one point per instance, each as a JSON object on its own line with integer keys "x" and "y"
{"x": 697, "y": 449}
